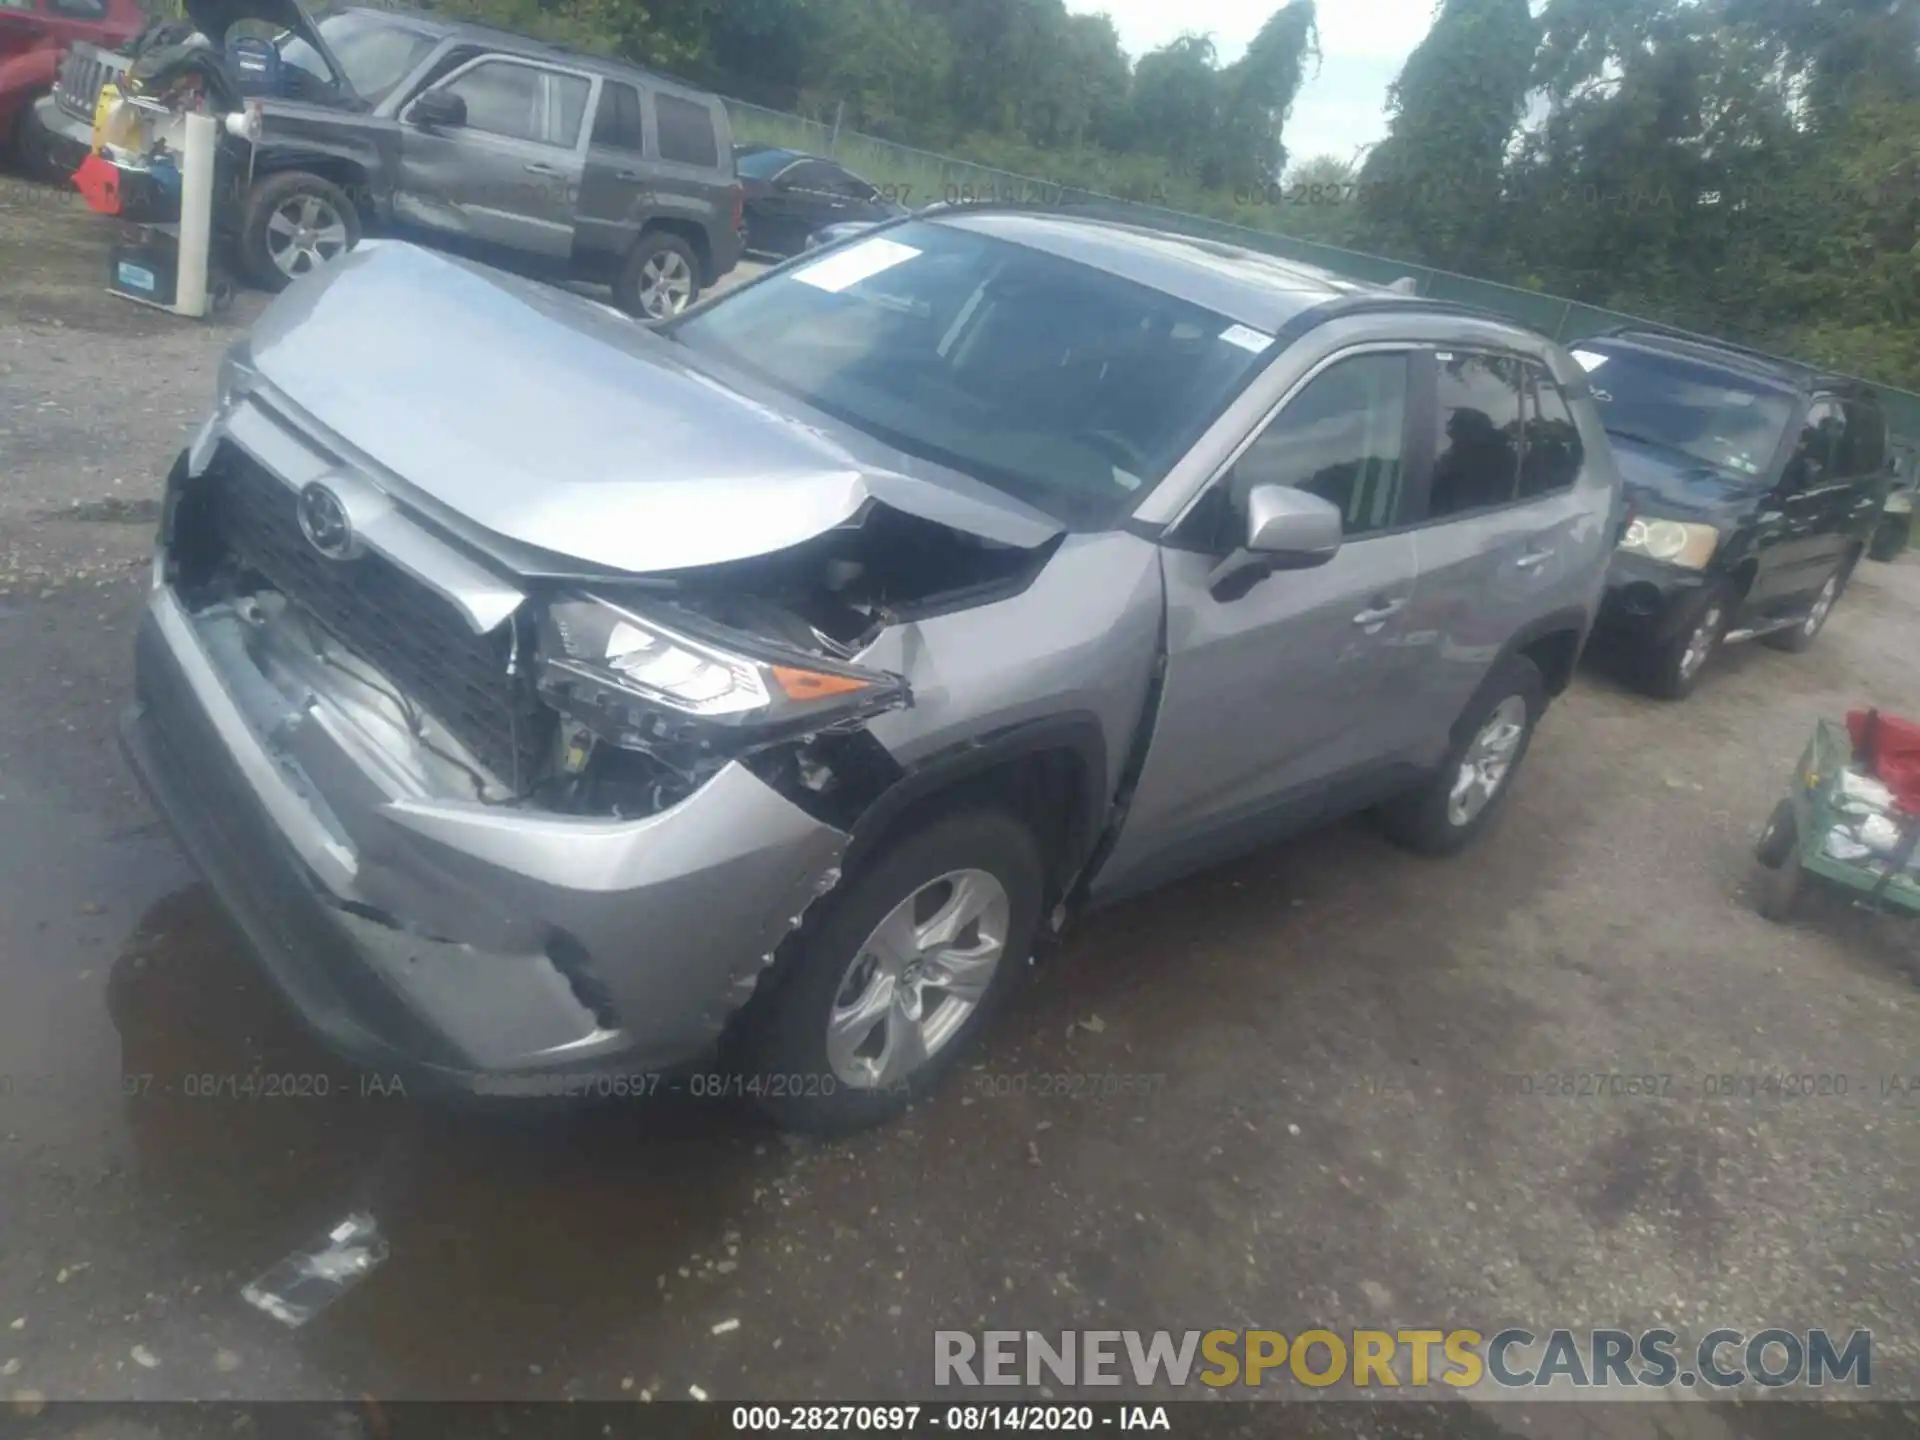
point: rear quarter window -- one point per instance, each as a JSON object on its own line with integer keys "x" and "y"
{"x": 686, "y": 132}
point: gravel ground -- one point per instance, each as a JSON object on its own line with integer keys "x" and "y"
{"x": 1322, "y": 1128}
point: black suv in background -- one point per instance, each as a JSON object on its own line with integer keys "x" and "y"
{"x": 467, "y": 138}
{"x": 1755, "y": 485}
{"x": 790, "y": 195}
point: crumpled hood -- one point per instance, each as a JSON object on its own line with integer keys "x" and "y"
{"x": 1669, "y": 483}
{"x": 561, "y": 424}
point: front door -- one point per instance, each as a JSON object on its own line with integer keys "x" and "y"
{"x": 509, "y": 178}
{"x": 1275, "y": 698}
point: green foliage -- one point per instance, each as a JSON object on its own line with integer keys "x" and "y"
{"x": 1743, "y": 167}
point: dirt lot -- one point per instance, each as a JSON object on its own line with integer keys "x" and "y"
{"x": 1334, "y": 1135}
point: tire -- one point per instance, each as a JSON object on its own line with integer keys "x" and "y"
{"x": 788, "y": 1065}
{"x": 320, "y": 212}
{"x": 660, "y": 277}
{"x": 1801, "y": 636}
{"x": 1891, "y": 538}
{"x": 1671, "y": 671}
{"x": 29, "y": 147}
{"x": 1433, "y": 820}
{"x": 1778, "y": 876}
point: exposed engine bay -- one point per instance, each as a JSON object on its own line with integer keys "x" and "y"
{"x": 614, "y": 698}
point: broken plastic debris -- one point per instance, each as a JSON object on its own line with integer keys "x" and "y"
{"x": 144, "y": 1358}
{"x": 1856, "y": 786}
{"x": 693, "y": 1390}
{"x": 1843, "y": 846}
{"x": 725, "y": 1325}
{"x": 306, "y": 1282}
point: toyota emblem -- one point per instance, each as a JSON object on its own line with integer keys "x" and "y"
{"x": 323, "y": 520}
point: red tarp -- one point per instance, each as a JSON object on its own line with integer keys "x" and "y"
{"x": 1889, "y": 747}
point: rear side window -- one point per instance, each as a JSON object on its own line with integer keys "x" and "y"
{"x": 1477, "y": 450}
{"x": 686, "y": 132}
{"x": 618, "y": 125}
{"x": 1341, "y": 439}
{"x": 1552, "y": 457}
{"x": 1865, "y": 449}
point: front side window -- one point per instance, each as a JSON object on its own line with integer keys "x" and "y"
{"x": 1341, "y": 439}
{"x": 1477, "y": 451}
{"x": 1818, "y": 449}
{"x": 1668, "y": 402}
{"x": 1068, "y": 387}
{"x": 503, "y": 98}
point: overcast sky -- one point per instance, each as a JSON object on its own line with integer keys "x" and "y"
{"x": 1363, "y": 45}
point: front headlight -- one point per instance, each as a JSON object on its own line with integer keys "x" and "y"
{"x": 644, "y": 682}
{"x": 1672, "y": 541}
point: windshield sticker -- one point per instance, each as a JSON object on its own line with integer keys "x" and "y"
{"x": 854, "y": 264}
{"x": 1246, "y": 338}
{"x": 1589, "y": 360}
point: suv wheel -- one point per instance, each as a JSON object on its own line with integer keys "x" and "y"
{"x": 660, "y": 278}
{"x": 1672, "y": 670}
{"x": 1472, "y": 783}
{"x": 880, "y": 999}
{"x": 1801, "y": 636}
{"x": 32, "y": 154}
{"x": 294, "y": 223}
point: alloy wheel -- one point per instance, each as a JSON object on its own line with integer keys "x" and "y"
{"x": 666, "y": 285}
{"x": 913, "y": 983}
{"x": 1701, "y": 642}
{"x": 303, "y": 233}
{"x": 1488, "y": 761}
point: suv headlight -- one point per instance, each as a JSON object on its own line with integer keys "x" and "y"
{"x": 643, "y": 682}
{"x": 1672, "y": 541}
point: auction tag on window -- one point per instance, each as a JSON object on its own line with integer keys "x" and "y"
{"x": 1246, "y": 337}
{"x": 854, "y": 264}
{"x": 1589, "y": 360}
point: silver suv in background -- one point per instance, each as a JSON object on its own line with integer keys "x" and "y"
{"x": 465, "y": 137}
{"x": 554, "y": 702}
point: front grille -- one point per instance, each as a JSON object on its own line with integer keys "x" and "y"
{"x": 82, "y": 74}
{"x": 415, "y": 636}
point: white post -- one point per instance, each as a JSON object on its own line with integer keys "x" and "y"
{"x": 196, "y": 215}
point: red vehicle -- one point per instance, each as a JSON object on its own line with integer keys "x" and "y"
{"x": 33, "y": 36}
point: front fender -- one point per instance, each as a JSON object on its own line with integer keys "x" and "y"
{"x": 23, "y": 78}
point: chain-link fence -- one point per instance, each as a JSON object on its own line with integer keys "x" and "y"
{"x": 921, "y": 177}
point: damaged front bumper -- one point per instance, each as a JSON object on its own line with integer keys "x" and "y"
{"x": 419, "y": 928}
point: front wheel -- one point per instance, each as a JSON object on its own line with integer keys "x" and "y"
{"x": 1670, "y": 671}
{"x": 294, "y": 223}
{"x": 874, "y": 1005}
{"x": 660, "y": 278}
{"x": 1473, "y": 781}
{"x": 1801, "y": 636}
{"x": 32, "y": 147}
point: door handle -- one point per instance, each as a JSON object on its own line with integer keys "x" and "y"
{"x": 540, "y": 167}
{"x": 629, "y": 175}
{"x": 1382, "y": 611}
{"x": 1533, "y": 559}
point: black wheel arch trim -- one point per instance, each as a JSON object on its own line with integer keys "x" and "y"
{"x": 1077, "y": 732}
{"x": 1571, "y": 618}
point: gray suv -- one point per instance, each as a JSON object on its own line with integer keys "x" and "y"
{"x": 464, "y": 137}
{"x": 558, "y": 704}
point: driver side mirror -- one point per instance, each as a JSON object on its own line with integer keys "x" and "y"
{"x": 1285, "y": 529}
{"x": 438, "y": 110}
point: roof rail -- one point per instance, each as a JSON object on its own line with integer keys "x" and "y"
{"x": 1674, "y": 332}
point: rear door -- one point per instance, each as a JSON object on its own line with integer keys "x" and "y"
{"x": 1799, "y": 530}
{"x": 1867, "y": 469}
{"x": 1503, "y": 534}
{"x": 508, "y": 179}
{"x": 616, "y": 189}
{"x": 1276, "y": 698}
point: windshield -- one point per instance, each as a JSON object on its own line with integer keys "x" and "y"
{"x": 1682, "y": 405}
{"x": 376, "y": 55}
{"x": 1065, "y": 386}
{"x": 763, "y": 164}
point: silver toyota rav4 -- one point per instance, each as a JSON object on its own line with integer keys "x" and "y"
{"x": 556, "y": 702}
